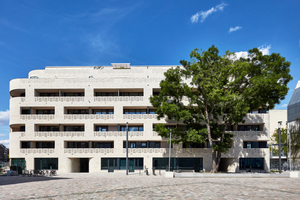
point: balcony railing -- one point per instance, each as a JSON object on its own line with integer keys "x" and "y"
{"x": 117, "y": 133}
{"x": 88, "y": 150}
{"x": 118, "y": 98}
{"x": 37, "y": 117}
{"x": 139, "y": 116}
{"x": 59, "y": 99}
{"x": 148, "y": 150}
{"x": 88, "y": 116}
{"x": 59, "y": 134}
{"x": 37, "y": 151}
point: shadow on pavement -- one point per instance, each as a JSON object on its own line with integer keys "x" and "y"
{"x": 9, "y": 180}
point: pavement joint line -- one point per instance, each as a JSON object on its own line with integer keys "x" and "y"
{"x": 155, "y": 186}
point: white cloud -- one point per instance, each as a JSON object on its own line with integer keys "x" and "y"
{"x": 4, "y": 117}
{"x": 5, "y": 142}
{"x": 234, "y": 29}
{"x": 265, "y": 49}
{"x": 283, "y": 106}
{"x": 204, "y": 14}
{"x": 244, "y": 54}
{"x": 2, "y": 134}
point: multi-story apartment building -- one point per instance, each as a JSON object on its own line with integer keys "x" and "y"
{"x": 74, "y": 119}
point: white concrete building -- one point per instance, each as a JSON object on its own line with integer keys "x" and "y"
{"x": 73, "y": 118}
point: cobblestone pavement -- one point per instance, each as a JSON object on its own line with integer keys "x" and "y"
{"x": 120, "y": 186}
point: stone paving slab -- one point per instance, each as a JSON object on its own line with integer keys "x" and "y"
{"x": 134, "y": 186}
{"x": 232, "y": 175}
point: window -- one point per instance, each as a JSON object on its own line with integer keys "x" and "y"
{"x": 251, "y": 163}
{"x": 45, "y": 163}
{"x": 131, "y": 94}
{"x": 25, "y": 111}
{"x": 138, "y": 111}
{"x": 46, "y": 145}
{"x": 120, "y": 163}
{"x": 178, "y": 163}
{"x": 193, "y": 145}
{"x": 45, "y": 112}
{"x": 49, "y": 128}
{"x": 248, "y": 127}
{"x": 254, "y": 145}
{"x": 132, "y": 128}
{"x": 78, "y": 111}
{"x": 73, "y": 128}
{"x": 22, "y": 128}
{"x": 73, "y": 94}
{"x": 101, "y": 128}
{"x": 103, "y": 111}
{"x": 106, "y": 94}
{"x": 78, "y": 145}
{"x": 49, "y": 94}
{"x": 25, "y": 145}
{"x": 103, "y": 144}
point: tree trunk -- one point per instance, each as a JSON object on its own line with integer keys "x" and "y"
{"x": 216, "y": 157}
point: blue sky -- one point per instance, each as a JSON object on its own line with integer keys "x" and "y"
{"x": 35, "y": 34}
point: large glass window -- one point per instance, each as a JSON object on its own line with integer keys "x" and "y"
{"x": 103, "y": 144}
{"x": 73, "y": 128}
{"x": 132, "y": 128}
{"x": 179, "y": 163}
{"x": 45, "y": 163}
{"x": 106, "y": 94}
{"x": 78, "y": 111}
{"x": 45, "y": 112}
{"x": 143, "y": 144}
{"x": 78, "y": 145}
{"x": 120, "y": 163}
{"x": 25, "y": 145}
{"x": 103, "y": 111}
{"x": 138, "y": 111}
{"x": 73, "y": 94}
{"x": 251, "y": 163}
{"x": 46, "y": 145}
{"x": 131, "y": 94}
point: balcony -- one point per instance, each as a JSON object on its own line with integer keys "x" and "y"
{"x": 87, "y": 116}
{"x": 37, "y": 117}
{"x": 117, "y": 133}
{"x": 112, "y": 95}
{"x": 59, "y": 134}
{"x": 139, "y": 116}
{"x": 88, "y": 150}
{"x": 236, "y": 152}
{"x": 37, "y": 151}
{"x": 148, "y": 150}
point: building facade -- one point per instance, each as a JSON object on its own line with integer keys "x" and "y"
{"x": 3, "y": 153}
{"x": 74, "y": 119}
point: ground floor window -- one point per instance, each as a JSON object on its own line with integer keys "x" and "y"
{"x": 178, "y": 163}
{"x": 45, "y": 163}
{"x": 251, "y": 163}
{"x": 120, "y": 163}
{"x": 18, "y": 164}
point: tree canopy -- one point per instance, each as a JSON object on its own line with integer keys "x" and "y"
{"x": 212, "y": 92}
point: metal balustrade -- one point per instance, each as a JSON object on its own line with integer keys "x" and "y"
{"x": 118, "y": 98}
{"x": 117, "y": 133}
{"x": 59, "y": 99}
{"x": 139, "y": 116}
{"x": 37, "y": 117}
{"x": 37, "y": 151}
{"x": 88, "y": 150}
{"x": 59, "y": 134}
{"x": 88, "y": 116}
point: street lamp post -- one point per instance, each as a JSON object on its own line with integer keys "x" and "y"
{"x": 279, "y": 145}
{"x": 289, "y": 143}
{"x": 170, "y": 150}
{"x": 126, "y": 148}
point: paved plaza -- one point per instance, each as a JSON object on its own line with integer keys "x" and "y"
{"x": 135, "y": 186}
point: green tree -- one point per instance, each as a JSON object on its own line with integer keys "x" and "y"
{"x": 221, "y": 90}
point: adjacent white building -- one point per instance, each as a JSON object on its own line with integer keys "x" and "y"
{"x": 73, "y": 119}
